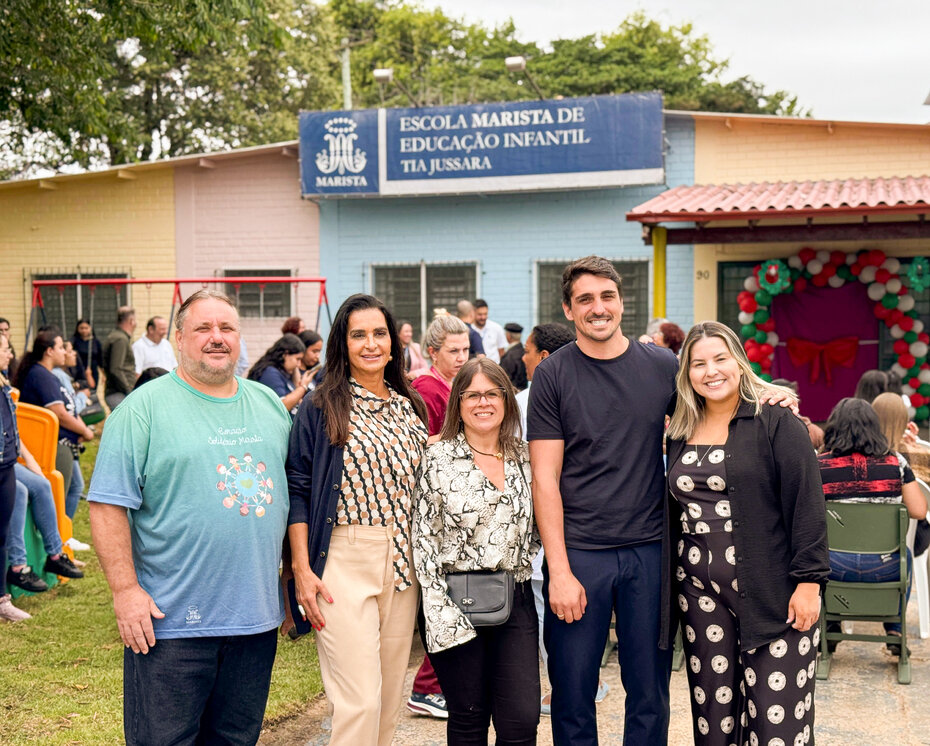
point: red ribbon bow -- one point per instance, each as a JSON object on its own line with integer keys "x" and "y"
{"x": 840, "y": 351}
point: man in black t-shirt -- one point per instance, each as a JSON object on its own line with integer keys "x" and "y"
{"x": 596, "y": 419}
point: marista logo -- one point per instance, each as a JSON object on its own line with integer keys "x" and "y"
{"x": 342, "y": 163}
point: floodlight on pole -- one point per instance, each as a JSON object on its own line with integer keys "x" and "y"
{"x": 517, "y": 64}
{"x": 385, "y": 76}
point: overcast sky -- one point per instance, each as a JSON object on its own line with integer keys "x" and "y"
{"x": 848, "y": 59}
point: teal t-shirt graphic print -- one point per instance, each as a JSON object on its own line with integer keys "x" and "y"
{"x": 203, "y": 481}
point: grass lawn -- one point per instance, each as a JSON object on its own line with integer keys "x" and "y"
{"x": 61, "y": 671}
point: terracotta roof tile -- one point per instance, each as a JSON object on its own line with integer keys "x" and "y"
{"x": 909, "y": 194}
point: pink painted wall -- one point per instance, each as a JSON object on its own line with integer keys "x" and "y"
{"x": 246, "y": 213}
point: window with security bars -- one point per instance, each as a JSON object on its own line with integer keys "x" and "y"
{"x": 635, "y": 283}
{"x": 732, "y": 275}
{"x": 414, "y": 291}
{"x": 256, "y": 300}
{"x": 65, "y": 305}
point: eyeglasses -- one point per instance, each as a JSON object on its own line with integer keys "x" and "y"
{"x": 491, "y": 395}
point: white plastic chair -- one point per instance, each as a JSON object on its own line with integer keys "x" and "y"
{"x": 920, "y": 572}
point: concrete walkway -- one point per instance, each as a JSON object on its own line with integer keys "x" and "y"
{"x": 861, "y": 704}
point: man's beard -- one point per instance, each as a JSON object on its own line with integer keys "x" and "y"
{"x": 205, "y": 373}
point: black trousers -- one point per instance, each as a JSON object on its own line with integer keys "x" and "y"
{"x": 494, "y": 676}
{"x": 7, "y": 500}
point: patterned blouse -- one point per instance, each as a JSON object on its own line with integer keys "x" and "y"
{"x": 463, "y": 522}
{"x": 380, "y": 463}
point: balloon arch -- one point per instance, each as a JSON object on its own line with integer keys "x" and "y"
{"x": 889, "y": 286}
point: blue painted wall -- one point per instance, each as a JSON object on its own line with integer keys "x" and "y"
{"x": 506, "y": 234}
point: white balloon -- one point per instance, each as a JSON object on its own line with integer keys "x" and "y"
{"x": 823, "y": 256}
{"x": 918, "y": 324}
{"x": 851, "y": 258}
{"x": 899, "y": 369}
{"x": 867, "y": 274}
{"x": 771, "y": 338}
{"x": 876, "y": 291}
{"x": 750, "y": 284}
{"x": 924, "y": 376}
{"x": 893, "y": 285}
{"x": 745, "y": 317}
{"x": 918, "y": 349}
{"x": 907, "y": 389}
{"x": 905, "y": 302}
{"x": 815, "y": 266}
{"x": 896, "y": 332}
{"x": 795, "y": 262}
{"x": 892, "y": 265}
{"x": 911, "y": 413}
{"x": 836, "y": 281}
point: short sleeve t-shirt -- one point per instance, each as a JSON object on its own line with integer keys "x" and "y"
{"x": 43, "y": 389}
{"x": 858, "y": 478}
{"x": 611, "y": 416}
{"x": 204, "y": 484}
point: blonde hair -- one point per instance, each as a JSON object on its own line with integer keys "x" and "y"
{"x": 440, "y": 328}
{"x": 689, "y": 411}
{"x": 892, "y": 416}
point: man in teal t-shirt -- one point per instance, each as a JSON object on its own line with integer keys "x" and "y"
{"x": 189, "y": 510}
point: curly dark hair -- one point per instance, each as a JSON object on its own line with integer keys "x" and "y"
{"x": 853, "y": 427}
{"x": 673, "y": 335}
{"x": 289, "y": 344}
{"x": 550, "y": 337}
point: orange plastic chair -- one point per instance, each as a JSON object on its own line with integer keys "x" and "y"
{"x": 38, "y": 430}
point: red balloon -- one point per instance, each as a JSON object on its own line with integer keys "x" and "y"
{"x": 902, "y": 290}
{"x": 876, "y": 257}
{"x": 906, "y": 323}
{"x": 800, "y": 285}
{"x": 918, "y": 400}
{"x": 856, "y": 269}
{"x": 907, "y": 361}
{"x": 882, "y": 276}
{"x": 749, "y": 345}
{"x": 828, "y": 270}
{"x": 743, "y": 295}
{"x": 767, "y": 349}
{"x": 749, "y": 305}
{"x": 838, "y": 258}
{"x": 806, "y": 255}
{"x": 881, "y": 312}
{"x": 819, "y": 280}
{"x": 900, "y": 347}
{"x": 766, "y": 364}
{"x": 768, "y": 326}
{"x": 896, "y": 315}
{"x": 915, "y": 383}
{"x": 924, "y": 337}
{"x": 925, "y": 366}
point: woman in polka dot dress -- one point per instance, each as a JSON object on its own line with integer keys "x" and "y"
{"x": 751, "y": 556}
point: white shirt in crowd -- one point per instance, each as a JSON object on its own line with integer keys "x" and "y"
{"x": 492, "y": 339}
{"x": 151, "y": 355}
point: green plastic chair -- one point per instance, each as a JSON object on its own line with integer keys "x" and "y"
{"x": 866, "y": 528}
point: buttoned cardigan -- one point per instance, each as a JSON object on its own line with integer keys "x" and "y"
{"x": 779, "y": 517}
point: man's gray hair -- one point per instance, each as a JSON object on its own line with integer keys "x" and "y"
{"x": 124, "y": 313}
{"x": 198, "y": 296}
{"x": 652, "y": 328}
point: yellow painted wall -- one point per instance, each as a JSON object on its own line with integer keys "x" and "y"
{"x": 95, "y": 223}
{"x": 750, "y": 151}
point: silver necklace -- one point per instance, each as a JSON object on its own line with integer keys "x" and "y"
{"x": 700, "y": 459}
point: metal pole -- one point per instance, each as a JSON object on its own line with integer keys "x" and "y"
{"x": 346, "y": 77}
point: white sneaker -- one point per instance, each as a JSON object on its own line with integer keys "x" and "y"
{"x": 77, "y": 546}
{"x": 10, "y": 612}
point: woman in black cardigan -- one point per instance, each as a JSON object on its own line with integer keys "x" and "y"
{"x": 752, "y": 549}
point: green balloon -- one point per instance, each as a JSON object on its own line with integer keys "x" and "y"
{"x": 910, "y": 337}
{"x": 763, "y": 298}
{"x": 756, "y": 368}
{"x": 749, "y": 330}
{"x": 922, "y": 413}
{"x": 760, "y": 336}
{"x": 766, "y": 377}
{"x": 912, "y": 373}
{"x": 845, "y": 272}
{"x": 890, "y": 301}
{"x": 924, "y": 389}
{"x": 761, "y": 316}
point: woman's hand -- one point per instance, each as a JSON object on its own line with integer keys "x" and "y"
{"x": 308, "y": 586}
{"x": 804, "y": 606}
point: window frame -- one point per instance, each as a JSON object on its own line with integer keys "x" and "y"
{"x": 251, "y": 272}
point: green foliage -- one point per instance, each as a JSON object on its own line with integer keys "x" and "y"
{"x": 61, "y": 681}
{"x": 87, "y": 83}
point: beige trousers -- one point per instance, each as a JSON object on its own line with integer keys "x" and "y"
{"x": 364, "y": 648}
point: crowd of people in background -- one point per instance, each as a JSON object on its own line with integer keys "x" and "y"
{"x": 410, "y": 461}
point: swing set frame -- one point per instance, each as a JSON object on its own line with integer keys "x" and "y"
{"x": 177, "y": 297}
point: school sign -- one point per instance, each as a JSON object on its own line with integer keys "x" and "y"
{"x": 578, "y": 143}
